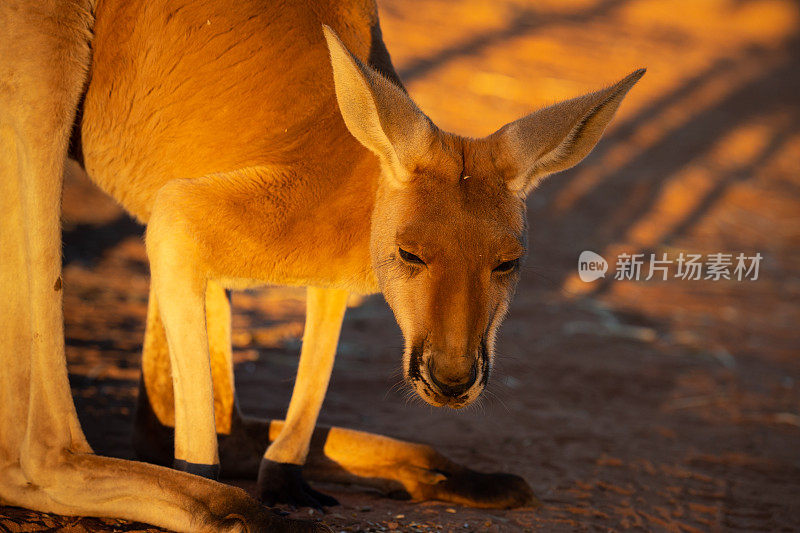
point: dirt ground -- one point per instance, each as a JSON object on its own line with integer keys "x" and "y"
{"x": 652, "y": 405}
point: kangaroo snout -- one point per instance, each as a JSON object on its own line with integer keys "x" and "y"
{"x": 452, "y": 382}
{"x": 446, "y": 380}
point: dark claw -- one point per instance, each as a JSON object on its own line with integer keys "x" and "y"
{"x": 284, "y": 483}
{"x": 325, "y": 499}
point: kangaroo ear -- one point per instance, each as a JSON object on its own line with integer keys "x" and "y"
{"x": 557, "y": 137}
{"x": 378, "y": 113}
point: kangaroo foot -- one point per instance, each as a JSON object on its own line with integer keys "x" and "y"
{"x": 475, "y": 489}
{"x": 408, "y": 470}
{"x": 284, "y": 483}
{"x": 405, "y": 470}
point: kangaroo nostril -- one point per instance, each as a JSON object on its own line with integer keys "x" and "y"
{"x": 454, "y": 387}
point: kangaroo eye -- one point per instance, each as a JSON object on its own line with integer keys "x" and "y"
{"x": 408, "y": 257}
{"x": 506, "y": 266}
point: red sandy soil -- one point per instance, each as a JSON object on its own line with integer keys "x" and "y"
{"x": 661, "y": 405}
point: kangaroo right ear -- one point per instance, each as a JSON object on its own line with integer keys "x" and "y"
{"x": 557, "y": 137}
{"x": 378, "y": 113}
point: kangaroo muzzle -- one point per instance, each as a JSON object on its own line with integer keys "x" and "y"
{"x": 452, "y": 384}
{"x": 448, "y": 381}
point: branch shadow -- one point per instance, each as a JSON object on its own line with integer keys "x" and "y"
{"x": 638, "y": 183}
{"x": 526, "y": 21}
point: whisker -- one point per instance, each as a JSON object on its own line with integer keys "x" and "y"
{"x": 394, "y": 389}
{"x": 505, "y": 358}
{"x": 491, "y": 394}
{"x": 477, "y": 405}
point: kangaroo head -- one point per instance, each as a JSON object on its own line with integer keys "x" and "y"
{"x": 449, "y": 227}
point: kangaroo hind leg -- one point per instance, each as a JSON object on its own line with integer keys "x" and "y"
{"x": 45, "y": 463}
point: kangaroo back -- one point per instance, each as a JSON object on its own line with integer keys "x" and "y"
{"x": 181, "y": 90}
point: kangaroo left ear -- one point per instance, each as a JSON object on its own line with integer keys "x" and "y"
{"x": 378, "y": 113}
{"x": 557, "y": 137}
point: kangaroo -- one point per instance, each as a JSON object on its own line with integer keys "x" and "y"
{"x": 260, "y": 142}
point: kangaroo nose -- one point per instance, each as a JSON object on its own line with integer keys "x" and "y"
{"x": 453, "y": 386}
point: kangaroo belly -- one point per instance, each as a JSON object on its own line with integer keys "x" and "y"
{"x": 186, "y": 89}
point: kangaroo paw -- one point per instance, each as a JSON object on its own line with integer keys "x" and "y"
{"x": 451, "y": 482}
{"x": 497, "y": 490}
{"x": 267, "y": 521}
{"x": 284, "y": 483}
{"x": 476, "y": 489}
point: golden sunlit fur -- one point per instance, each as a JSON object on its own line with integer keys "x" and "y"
{"x": 258, "y": 147}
